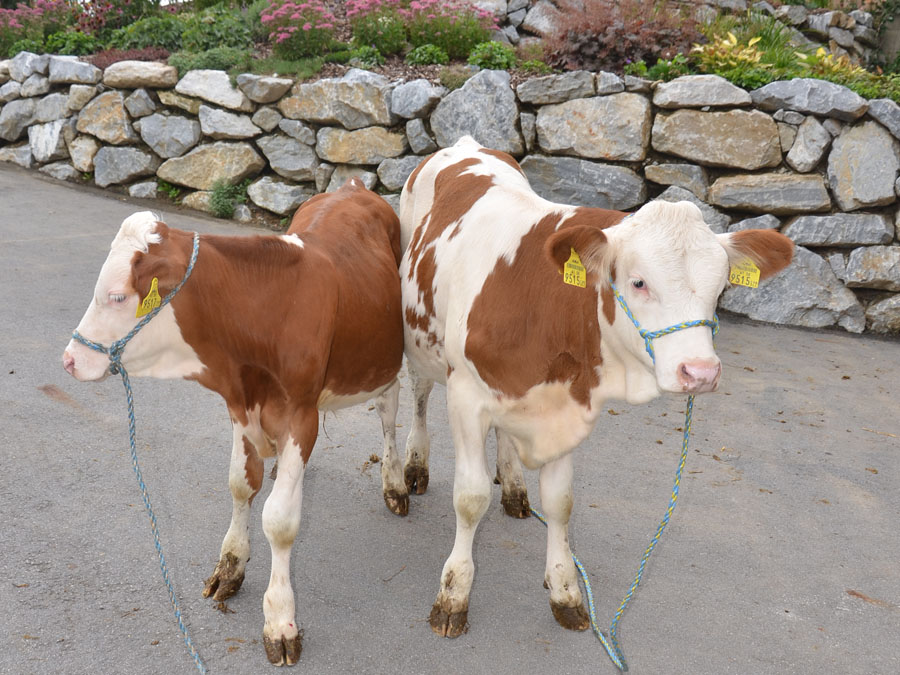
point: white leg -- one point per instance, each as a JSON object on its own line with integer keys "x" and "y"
{"x": 396, "y": 496}
{"x": 244, "y": 479}
{"x": 513, "y": 493}
{"x": 281, "y": 520}
{"x": 560, "y": 575}
{"x": 417, "y": 443}
{"x": 471, "y": 497}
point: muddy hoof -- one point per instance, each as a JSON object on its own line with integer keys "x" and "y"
{"x": 226, "y": 580}
{"x": 283, "y": 651}
{"x": 573, "y": 618}
{"x": 416, "y": 479}
{"x": 446, "y": 624}
{"x": 516, "y": 504}
{"x": 397, "y": 504}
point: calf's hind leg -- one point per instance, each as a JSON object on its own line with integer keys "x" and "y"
{"x": 282, "y": 638}
{"x": 396, "y": 494}
{"x": 245, "y": 479}
{"x": 514, "y": 494}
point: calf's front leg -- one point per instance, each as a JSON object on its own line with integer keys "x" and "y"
{"x": 418, "y": 445}
{"x": 471, "y": 497}
{"x": 245, "y": 479}
{"x": 560, "y": 575}
{"x": 282, "y": 637}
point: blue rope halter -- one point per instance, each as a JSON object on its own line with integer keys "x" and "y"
{"x": 611, "y": 645}
{"x": 114, "y": 352}
{"x": 649, "y": 336}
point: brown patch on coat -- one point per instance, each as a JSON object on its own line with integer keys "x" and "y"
{"x": 253, "y": 467}
{"x": 771, "y": 251}
{"x": 454, "y": 195}
{"x": 275, "y": 324}
{"x": 411, "y": 181}
{"x": 503, "y": 157}
{"x": 557, "y": 339}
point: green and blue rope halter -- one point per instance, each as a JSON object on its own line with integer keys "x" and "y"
{"x": 114, "y": 352}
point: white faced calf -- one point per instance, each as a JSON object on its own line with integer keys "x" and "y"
{"x": 487, "y": 311}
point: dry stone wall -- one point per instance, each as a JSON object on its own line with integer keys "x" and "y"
{"x": 807, "y": 157}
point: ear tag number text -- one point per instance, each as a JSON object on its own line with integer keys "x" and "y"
{"x": 573, "y": 271}
{"x": 151, "y": 302}
{"x": 745, "y": 273}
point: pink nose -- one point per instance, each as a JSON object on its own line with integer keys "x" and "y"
{"x": 699, "y": 375}
{"x": 69, "y": 363}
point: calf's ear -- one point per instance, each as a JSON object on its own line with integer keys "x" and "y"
{"x": 162, "y": 260}
{"x": 589, "y": 243}
{"x": 771, "y": 251}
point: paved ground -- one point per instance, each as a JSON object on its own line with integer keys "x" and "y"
{"x": 782, "y": 557}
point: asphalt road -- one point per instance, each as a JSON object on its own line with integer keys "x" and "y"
{"x": 783, "y": 555}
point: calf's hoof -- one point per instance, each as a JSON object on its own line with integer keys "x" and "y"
{"x": 416, "y": 479}
{"x": 448, "y": 624}
{"x": 226, "y": 579}
{"x": 516, "y": 504}
{"x": 397, "y": 503}
{"x": 284, "y": 650}
{"x": 573, "y": 618}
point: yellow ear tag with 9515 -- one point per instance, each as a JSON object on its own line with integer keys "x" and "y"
{"x": 151, "y": 302}
{"x": 745, "y": 273}
{"x": 573, "y": 271}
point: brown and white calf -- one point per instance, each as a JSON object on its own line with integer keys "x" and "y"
{"x": 487, "y": 312}
{"x": 281, "y": 327}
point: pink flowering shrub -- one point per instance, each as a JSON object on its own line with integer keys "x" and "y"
{"x": 299, "y": 29}
{"x": 32, "y": 22}
{"x": 378, "y": 24}
{"x": 456, "y": 26}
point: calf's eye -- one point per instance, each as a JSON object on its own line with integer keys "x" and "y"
{"x": 638, "y": 283}
{"x": 117, "y": 298}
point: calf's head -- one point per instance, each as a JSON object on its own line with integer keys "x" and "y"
{"x": 143, "y": 250}
{"x": 669, "y": 268}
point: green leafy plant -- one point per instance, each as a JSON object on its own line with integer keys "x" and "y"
{"x": 26, "y": 45}
{"x": 153, "y": 31}
{"x": 225, "y": 197}
{"x": 636, "y": 68}
{"x": 300, "y": 69}
{"x": 378, "y": 24}
{"x": 220, "y": 58}
{"x": 534, "y": 67}
{"x": 493, "y": 55}
{"x": 365, "y": 57}
{"x": 173, "y": 192}
{"x": 740, "y": 63}
{"x": 456, "y": 26}
{"x": 72, "y": 43}
{"x": 669, "y": 69}
{"x": 426, "y": 55}
{"x": 215, "y": 27}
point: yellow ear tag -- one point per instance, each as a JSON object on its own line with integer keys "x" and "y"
{"x": 573, "y": 271}
{"x": 151, "y": 302}
{"x": 745, "y": 273}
